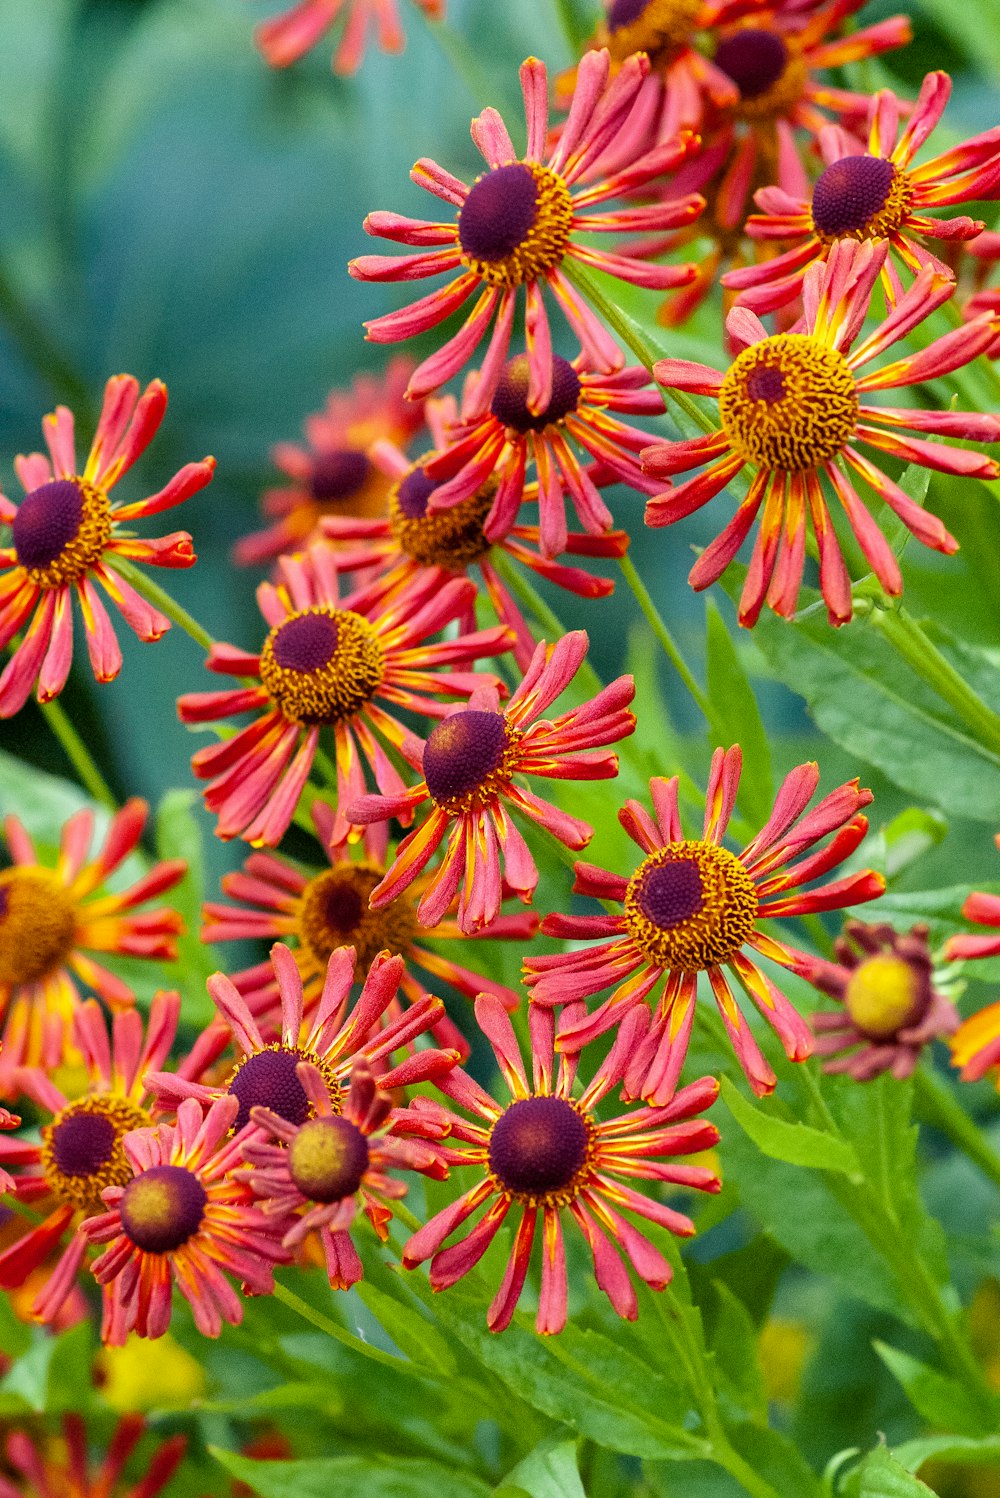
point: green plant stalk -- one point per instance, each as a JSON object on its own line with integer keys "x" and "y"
{"x": 334, "y": 1329}
{"x": 656, "y": 623}
{"x": 550, "y": 622}
{"x": 938, "y": 1107}
{"x": 906, "y": 637}
{"x": 40, "y": 351}
{"x": 160, "y": 599}
{"x": 78, "y": 754}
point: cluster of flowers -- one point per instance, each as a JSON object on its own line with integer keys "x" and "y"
{"x": 288, "y": 1112}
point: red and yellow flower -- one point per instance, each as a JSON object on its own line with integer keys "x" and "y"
{"x": 44, "y": 1470}
{"x": 694, "y": 907}
{"x": 64, "y": 534}
{"x": 289, "y": 36}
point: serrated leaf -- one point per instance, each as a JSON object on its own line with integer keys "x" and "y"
{"x": 737, "y": 713}
{"x": 346, "y": 1476}
{"x": 795, "y": 1143}
{"x": 550, "y": 1471}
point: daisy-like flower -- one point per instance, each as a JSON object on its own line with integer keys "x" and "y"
{"x": 52, "y": 920}
{"x": 332, "y": 474}
{"x": 330, "y": 1038}
{"x": 983, "y": 910}
{"x": 981, "y": 256}
{"x": 80, "y": 1151}
{"x": 470, "y": 764}
{"x": 694, "y": 907}
{"x": 791, "y": 408}
{"x": 547, "y": 1154}
{"x": 44, "y": 1470}
{"x": 293, "y": 33}
{"x": 65, "y": 529}
{"x": 873, "y": 195}
{"x": 329, "y": 662}
{"x": 320, "y": 910}
{"x": 181, "y": 1218}
{"x": 315, "y": 1175}
{"x": 520, "y": 221}
{"x": 891, "y": 1009}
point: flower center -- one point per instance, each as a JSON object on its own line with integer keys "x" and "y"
{"x": 82, "y": 1148}
{"x": 451, "y": 538}
{"x": 789, "y": 402}
{"x": 61, "y": 530}
{"x": 468, "y": 757}
{"x": 510, "y": 403}
{"x": 860, "y": 197}
{"x": 267, "y": 1079}
{"x": 162, "y": 1208}
{"x": 660, "y": 27}
{"x": 515, "y": 223}
{"x": 690, "y": 906}
{"x": 334, "y": 913}
{"x": 539, "y": 1150}
{"x": 322, "y": 665}
{"x": 769, "y": 77}
{"x": 338, "y": 475}
{"x": 882, "y": 996}
{"x": 37, "y": 924}
{"x": 328, "y": 1158}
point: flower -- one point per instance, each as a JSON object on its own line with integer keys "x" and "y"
{"x": 50, "y": 926}
{"x": 547, "y": 1152}
{"x": 45, "y": 1470}
{"x": 694, "y": 907}
{"x": 332, "y": 474}
{"x": 516, "y": 225}
{"x": 320, "y": 910}
{"x": 181, "y": 1218}
{"x": 975, "y": 1046}
{"x": 81, "y": 1149}
{"x": 289, "y": 36}
{"x": 790, "y": 407}
{"x": 871, "y": 196}
{"x": 313, "y": 1175}
{"x": 980, "y": 258}
{"x": 891, "y": 1008}
{"x": 63, "y": 533}
{"x": 982, "y": 910}
{"x": 329, "y": 662}
{"x": 417, "y": 545}
{"x": 328, "y": 1038}
{"x": 469, "y": 764}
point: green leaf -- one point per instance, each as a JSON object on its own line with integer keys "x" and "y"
{"x": 550, "y": 1471}
{"x": 346, "y": 1476}
{"x": 737, "y": 712}
{"x": 940, "y": 1400}
{"x": 412, "y": 1333}
{"x": 733, "y": 1343}
{"x": 905, "y": 839}
{"x": 179, "y": 836}
{"x": 965, "y": 1450}
{"x": 774, "y": 1457}
{"x": 795, "y": 1143}
{"x": 880, "y": 1475}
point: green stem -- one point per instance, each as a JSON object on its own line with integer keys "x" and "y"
{"x": 160, "y": 599}
{"x": 333, "y": 1329}
{"x": 666, "y": 639}
{"x": 549, "y": 621}
{"x": 939, "y": 1108}
{"x": 40, "y": 351}
{"x": 914, "y": 645}
{"x": 78, "y": 754}
{"x": 729, "y": 1459}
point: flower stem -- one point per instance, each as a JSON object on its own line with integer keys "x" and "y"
{"x": 939, "y": 1108}
{"x": 666, "y": 639}
{"x": 78, "y": 754}
{"x": 39, "y": 349}
{"x": 334, "y": 1329}
{"x": 922, "y": 655}
{"x": 549, "y": 621}
{"x": 160, "y": 599}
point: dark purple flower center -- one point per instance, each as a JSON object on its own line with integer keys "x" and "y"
{"x": 624, "y": 12}
{"x": 671, "y": 893}
{"x": 499, "y": 212}
{"x": 765, "y": 382}
{"x": 538, "y": 1145}
{"x": 338, "y": 474}
{"x": 754, "y": 59}
{"x": 462, "y": 752}
{"x": 307, "y": 642}
{"x": 162, "y": 1208}
{"x": 83, "y": 1143}
{"x": 327, "y": 1159}
{"x": 48, "y": 520}
{"x": 851, "y": 192}
{"x": 268, "y": 1080}
{"x": 510, "y": 403}
{"x": 414, "y": 492}
{"x": 344, "y": 908}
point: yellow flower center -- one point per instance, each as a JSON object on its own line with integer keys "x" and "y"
{"x": 451, "y": 538}
{"x": 328, "y": 1158}
{"x": 334, "y": 913}
{"x": 515, "y": 223}
{"x": 690, "y": 906}
{"x": 162, "y": 1208}
{"x": 61, "y": 530}
{"x": 82, "y": 1150}
{"x": 37, "y": 924}
{"x": 860, "y": 197}
{"x": 322, "y": 665}
{"x": 661, "y": 28}
{"x": 882, "y": 995}
{"x": 789, "y": 402}
{"x": 540, "y": 1151}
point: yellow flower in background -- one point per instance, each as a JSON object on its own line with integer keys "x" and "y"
{"x": 146, "y": 1375}
{"x": 784, "y": 1348}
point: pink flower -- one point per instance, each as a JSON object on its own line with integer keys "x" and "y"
{"x": 290, "y": 35}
